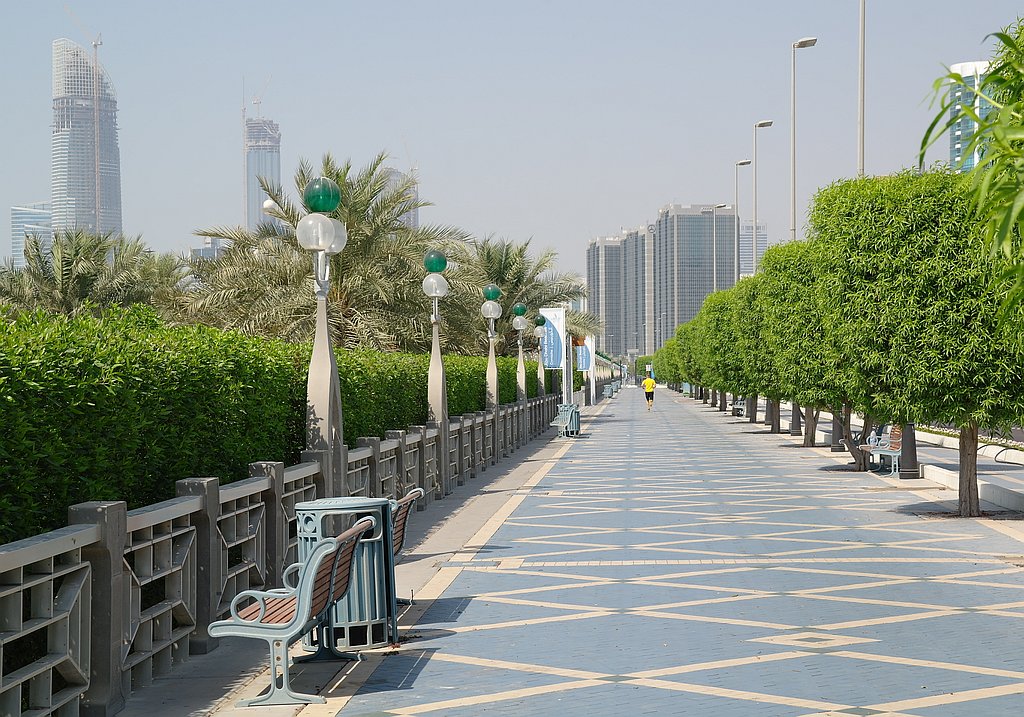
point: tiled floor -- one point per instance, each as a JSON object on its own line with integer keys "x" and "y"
{"x": 683, "y": 562}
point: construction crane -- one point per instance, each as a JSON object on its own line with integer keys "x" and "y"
{"x": 95, "y": 114}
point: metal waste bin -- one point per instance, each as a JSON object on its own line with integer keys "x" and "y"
{"x": 367, "y": 617}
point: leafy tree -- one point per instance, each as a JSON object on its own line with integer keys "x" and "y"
{"x": 917, "y": 323}
{"x": 262, "y": 284}
{"x": 997, "y": 180}
{"x": 666, "y": 363}
{"x": 80, "y": 272}
{"x": 522, "y": 278}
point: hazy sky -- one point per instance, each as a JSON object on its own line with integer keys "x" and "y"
{"x": 556, "y": 121}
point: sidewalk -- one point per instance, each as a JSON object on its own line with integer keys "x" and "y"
{"x": 685, "y": 562}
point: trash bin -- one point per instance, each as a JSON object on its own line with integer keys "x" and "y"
{"x": 367, "y": 617}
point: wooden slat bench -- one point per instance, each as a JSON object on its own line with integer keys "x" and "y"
{"x": 401, "y": 511}
{"x": 282, "y": 615}
{"x": 890, "y": 445}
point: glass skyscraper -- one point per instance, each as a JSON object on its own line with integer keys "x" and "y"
{"x": 262, "y": 159}
{"x": 85, "y": 174}
{"x": 29, "y": 220}
{"x": 411, "y": 218}
{"x": 746, "y": 244}
{"x": 962, "y": 130}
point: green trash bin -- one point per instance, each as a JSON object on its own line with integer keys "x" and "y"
{"x": 367, "y": 617}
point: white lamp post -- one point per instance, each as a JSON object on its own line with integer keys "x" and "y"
{"x": 436, "y": 287}
{"x": 324, "y": 237}
{"x": 714, "y": 245}
{"x": 799, "y": 44}
{"x": 736, "y": 205}
{"x": 758, "y": 125}
{"x": 491, "y": 311}
{"x": 520, "y": 324}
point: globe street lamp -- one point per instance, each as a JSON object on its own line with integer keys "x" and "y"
{"x": 491, "y": 310}
{"x": 436, "y": 287}
{"x": 520, "y": 324}
{"x": 324, "y": 237}
{"x": 539, "y": 332}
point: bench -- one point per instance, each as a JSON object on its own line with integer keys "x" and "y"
{"x": 401, "y": 511}
{"x": 283, "y": 615}
{"x": 568, "y": 419}
{"x": 889, "y": 445}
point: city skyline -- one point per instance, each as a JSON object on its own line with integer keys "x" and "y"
{"x": 519, "y": 121}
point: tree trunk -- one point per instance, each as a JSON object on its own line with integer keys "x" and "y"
{"x": 794, "y": 421}
{"x": 970, "y": 505}
{"x": 703, "y": 394}
{"x": 776, "y": 411}
{"x": 752, "y": 408}
{"x": 723, "y": 403}
{"x": 811, "y": 428}
{"x": 768, "y": 411}
{"x": 837, "y": 430}
{"x": 861, "y": 458}
{"x": 714, "y": 398}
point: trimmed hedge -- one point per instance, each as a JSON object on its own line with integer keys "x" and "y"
{"x": 120, "y": 407}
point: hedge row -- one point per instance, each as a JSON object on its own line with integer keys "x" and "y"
{"x": 119, "y": 408}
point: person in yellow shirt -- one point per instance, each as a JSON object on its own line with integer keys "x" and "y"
{"x": 648, "y": 386}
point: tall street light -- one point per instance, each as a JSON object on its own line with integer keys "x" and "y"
{"x": 736, "y": 205}
{"x": 860, "y": 93}
{"x": 491, "y": 310}
{"x": 758, "y": 125}
{"x": 436, "y": 287}
{"x": 714, "y": 245}
{"x": 520, "y": 324}
{"x": 539, "y": 332}
{"x": 324, "y": 237}
{"x": 799, "y": 44}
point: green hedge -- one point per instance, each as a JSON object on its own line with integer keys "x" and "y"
{"x": 120, "y": 407}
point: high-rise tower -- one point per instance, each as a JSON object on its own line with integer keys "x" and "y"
{"x": 262, "y": 159}
{"x": 85, "y": 176}
{"x": 961, "y": 131}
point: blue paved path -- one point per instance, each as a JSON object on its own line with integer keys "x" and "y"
{"x": 682, "y": 562}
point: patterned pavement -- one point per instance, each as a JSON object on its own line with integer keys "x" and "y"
{"x": 683, "y": 562}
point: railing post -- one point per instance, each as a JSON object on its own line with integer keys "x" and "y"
{"x": 322, "y": 481}
{"x": 400, "y": 486}
{"x": 209, "y": 580}
{"x": 374, "y": 488}
{"x": 461, "y": 472}
{"x": 107, "y": 692}
{"x": 277, "y": 521}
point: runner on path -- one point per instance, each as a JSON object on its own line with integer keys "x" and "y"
{"x": 648, "y": 385}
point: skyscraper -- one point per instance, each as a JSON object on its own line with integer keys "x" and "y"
{"x": 963, "y": 129}
{"x": 605, "y": 291}
{"x": 85, "y": 171}
{"x": 687, "y": 262}
{"x": 262, "y": 159}
{"x": 746, "y": 242}
{"x": 411, "y": 218}
{"x": 638, "y": 290}
{"x": 28, "y": 220}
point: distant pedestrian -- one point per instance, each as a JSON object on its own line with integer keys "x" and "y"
{"x": 648, "y": 386}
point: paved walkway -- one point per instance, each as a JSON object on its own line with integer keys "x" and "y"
{"x": 684, "y": 562}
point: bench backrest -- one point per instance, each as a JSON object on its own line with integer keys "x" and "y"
{"x": 400, "y": 518}
{"x": 896, "y": 437}
{"x": 330, "y": 583}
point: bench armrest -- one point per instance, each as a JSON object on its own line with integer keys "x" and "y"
{"x": 261, "y": 597}
{"x": 291, "y": 573}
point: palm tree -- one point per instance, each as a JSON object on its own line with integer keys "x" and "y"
{"x": 79, "y": 272}
{"x": 521, "y": 277}
{"x": 263, "y": 283}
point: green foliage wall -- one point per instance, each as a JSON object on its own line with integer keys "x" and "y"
{"x": 122, "y": 406}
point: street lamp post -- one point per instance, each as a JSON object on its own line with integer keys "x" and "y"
{"x": 491, "y": 310}
{"x": 752, "y": 402}
{"x": 860, "y": 92}
{"x": 714, "y": 245}
{"x": 436, "y": 287}
{"x": 736, "y": 205}
{"x": 324, "y": 237}
{"x": 538, "y": 333}
{"x": 520, "y": 324}
{"x": 795, "y": 429}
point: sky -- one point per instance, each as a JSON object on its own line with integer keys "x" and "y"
{"x": 554, "y": 121}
